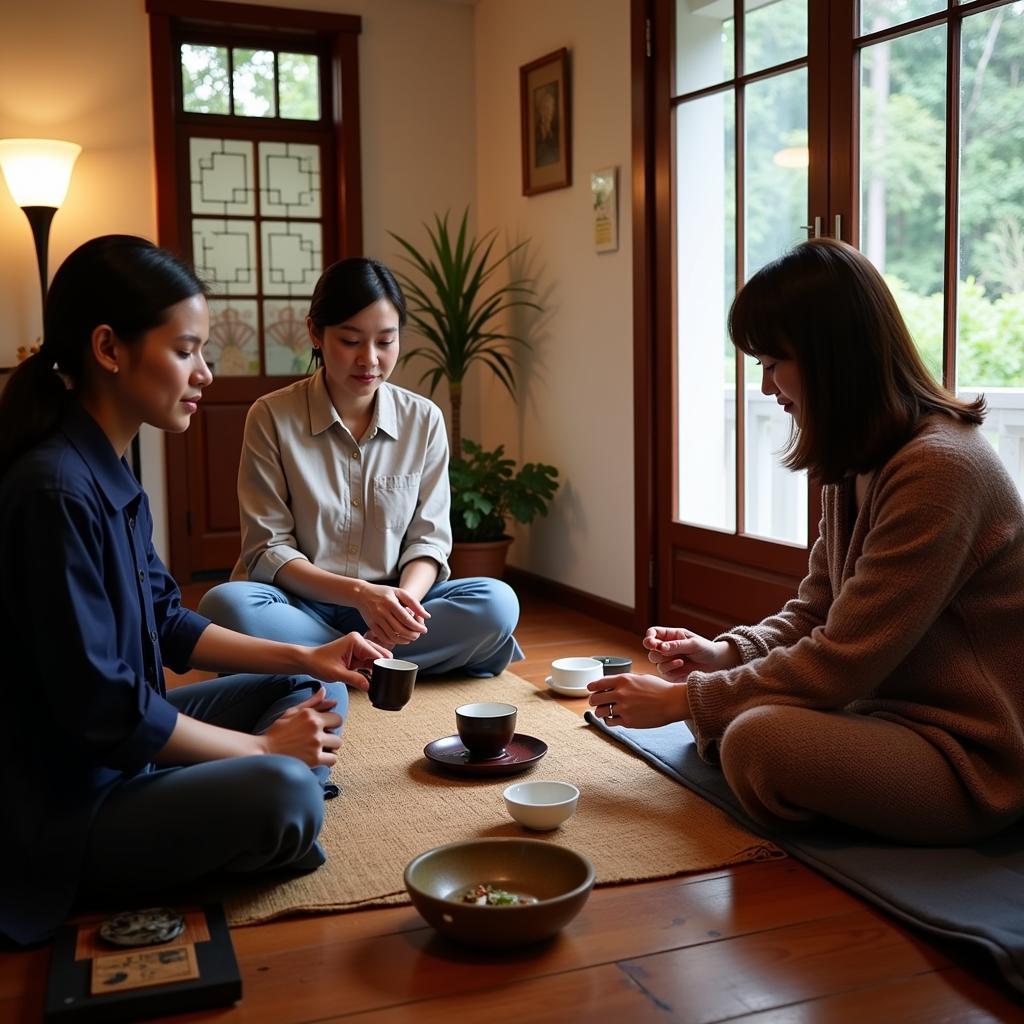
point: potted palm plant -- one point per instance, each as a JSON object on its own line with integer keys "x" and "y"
{"x": 455, "y": 305}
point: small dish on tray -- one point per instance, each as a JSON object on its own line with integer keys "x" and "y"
{"x": 567, "y": 691}
{"x": 450, "y": 753}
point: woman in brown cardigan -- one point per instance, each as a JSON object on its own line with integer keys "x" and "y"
{"x": 889, "y": 693}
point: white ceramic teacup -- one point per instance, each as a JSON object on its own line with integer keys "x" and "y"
{"x": 541, "y": 805}
{"x": 575, "y": 673}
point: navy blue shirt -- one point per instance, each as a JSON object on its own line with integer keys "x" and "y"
{"x": 88, "y": 617}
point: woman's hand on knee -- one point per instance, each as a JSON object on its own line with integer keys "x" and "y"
{"x": 345, "y": 659}
{"x": 638, "y": 701}
{"x": 392, "y": 615}
{"x": 304, "y": 731}
{"x": 676, "y": 652}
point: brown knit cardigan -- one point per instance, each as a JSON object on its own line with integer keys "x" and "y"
{"x": 912, "y": 610}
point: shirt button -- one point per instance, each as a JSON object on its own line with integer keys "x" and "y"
{"x": 153, "y": 635}
{"x": 353, "y": 549}
{"x": 355, "y": 503}
{"x": 142, "y": 576}
{"x": 131, "y": 522}
{"x": 355, "y": 454}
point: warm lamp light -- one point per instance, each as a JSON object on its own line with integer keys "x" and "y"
{"x": 38, "y": 172}
{"x": 793, "y": 157}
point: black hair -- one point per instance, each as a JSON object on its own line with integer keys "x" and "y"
{"x": 120, "y": 280}
{"x": 865, "y": 386}
{"x": 348, "y": 286}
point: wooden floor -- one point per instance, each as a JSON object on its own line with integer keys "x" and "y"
{"x": 768, "y": 943}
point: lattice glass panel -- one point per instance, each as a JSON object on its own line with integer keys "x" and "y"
{"x": 289, "y": 179}
{"x": 286, "y": 344}
{"x": 292, "y": 255}
{"x": 224, "y": 252}
{"x": 222, "y": 176}
{"x": 233, "y": 348}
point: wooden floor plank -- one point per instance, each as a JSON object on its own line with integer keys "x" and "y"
{"x": 779, "y": 966}
{"x": 609, "y": 994}
{"x": 949, "y": 996}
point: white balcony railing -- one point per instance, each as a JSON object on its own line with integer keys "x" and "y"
{"x": 777, "y": 498}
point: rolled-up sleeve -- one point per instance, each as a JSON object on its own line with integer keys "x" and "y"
{"x": 429, "y": 534}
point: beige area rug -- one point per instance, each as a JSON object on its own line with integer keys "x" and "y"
{"x": 633, "y": 823}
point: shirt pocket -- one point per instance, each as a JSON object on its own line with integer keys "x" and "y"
{"x": 394, "y": 499}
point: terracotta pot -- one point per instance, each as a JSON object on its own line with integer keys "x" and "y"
{"x": 479, "y": 558}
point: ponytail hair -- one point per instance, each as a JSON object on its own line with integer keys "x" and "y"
{"x": 120, "y": 280}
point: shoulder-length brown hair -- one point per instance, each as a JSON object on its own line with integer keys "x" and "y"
{"x": 865, "y": 388}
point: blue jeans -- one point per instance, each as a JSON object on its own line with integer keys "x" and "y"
{"x": 170, "y": 827}
{"x": 469, "y": 629}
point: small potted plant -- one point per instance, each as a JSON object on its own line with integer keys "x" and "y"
{"x": 457, "y": 308}
{"x": 487, "y": 490}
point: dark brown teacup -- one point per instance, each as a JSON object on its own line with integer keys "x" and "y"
{"x": 613, "y": 666}
{"x": 486, "y": 729}
{"x": 391, "y": 683}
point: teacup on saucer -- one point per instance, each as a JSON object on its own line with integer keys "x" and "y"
{"x": 568, "y": 691}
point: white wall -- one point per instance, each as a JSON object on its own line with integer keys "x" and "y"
{"x": 77, "y": 70}
{"x": 575, "y": 407}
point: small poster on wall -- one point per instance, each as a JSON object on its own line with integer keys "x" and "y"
{"x": 606, "y": 213}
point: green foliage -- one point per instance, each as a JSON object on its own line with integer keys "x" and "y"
{"x": 487, "y": 490}
{"x": 454, "y": 306}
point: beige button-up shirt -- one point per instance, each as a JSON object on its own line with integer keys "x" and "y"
{"x": 308, "y": 489}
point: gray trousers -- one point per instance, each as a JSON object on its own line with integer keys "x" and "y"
{"x": 791, "y": 764}
{"x": 168, "y": 828}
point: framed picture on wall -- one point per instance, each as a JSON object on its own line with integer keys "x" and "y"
{"x": 546, "y": 123}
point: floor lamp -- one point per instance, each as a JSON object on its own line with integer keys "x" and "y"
{"x": 38, "y": 172}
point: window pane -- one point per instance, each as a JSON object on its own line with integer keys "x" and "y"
{"x": 232, "y": 350}
{"x": 289, "y": 179}
{"x": 222, "y": 176}
{"x": 903, "y": 176}
{"x": 292, "y": 255}
{"x": 704, "y": 44}
{"x": 286, "y": 340}
{"x": 224, "y": 254}
{"x": 775, "y": 204}
{"x": 990, "y": 304}
{"x": 298, "y": 77}
{"x": 878, "y": 14}
{"x": 204, "y": 79}
{"x": 773, "y": 32}
{"x": 254, "y": 83}
{"x": 706, "y": 260}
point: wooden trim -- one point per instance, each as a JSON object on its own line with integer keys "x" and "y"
{"x": 162, "y": 79}
{"x": 644, "y": 355}
{"x": 731, "y": 83}
{"x": 599, "y": 608}
{"x": 347, "y": 146}
{"x": 213, "y": 12}
{"x": 951, "y": 255}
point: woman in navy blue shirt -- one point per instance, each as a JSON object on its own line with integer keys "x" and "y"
{"x": 113, "y": 787}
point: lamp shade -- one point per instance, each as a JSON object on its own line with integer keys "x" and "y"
{"x": 38, "y": 170}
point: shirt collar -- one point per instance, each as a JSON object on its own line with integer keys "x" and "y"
{"x": 115, "y": 480}
{"x": 323, "y": 415}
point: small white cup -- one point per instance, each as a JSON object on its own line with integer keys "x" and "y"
{"x": 541, "y": 806}
{"x": 575, "y": 672}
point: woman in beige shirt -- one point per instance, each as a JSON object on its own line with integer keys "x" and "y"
{"x": 889, "y": 693}
{"x": 344, "y": 500}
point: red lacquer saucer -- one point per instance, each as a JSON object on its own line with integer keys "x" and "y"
{"x": 520, "y": 754}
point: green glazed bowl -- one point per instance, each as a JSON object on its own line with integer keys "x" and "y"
{"x": 559, "y": 878}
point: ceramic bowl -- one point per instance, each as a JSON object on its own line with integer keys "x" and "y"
{"x": 541, "y": 805}
{"x": 559, "y": 878}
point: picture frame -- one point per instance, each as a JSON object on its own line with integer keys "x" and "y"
{"x": 546, "y": 123}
